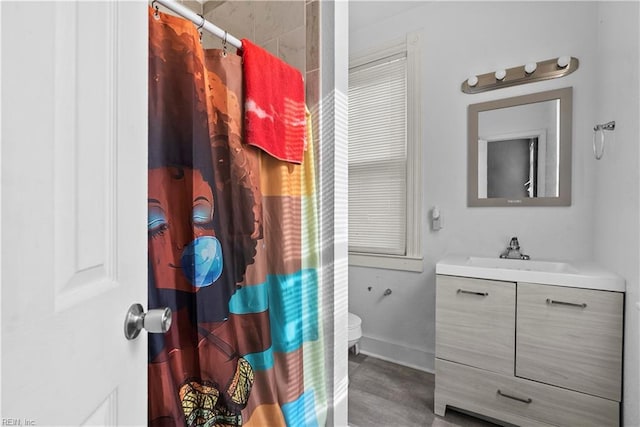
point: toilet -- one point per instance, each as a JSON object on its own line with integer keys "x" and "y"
{"x": 355, "y": 332}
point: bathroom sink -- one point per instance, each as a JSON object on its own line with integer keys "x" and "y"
{"x": 549, "y": 272}
{"x": 519, "y": 264}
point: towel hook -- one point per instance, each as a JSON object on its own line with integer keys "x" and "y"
{"x": 609, "y": 126}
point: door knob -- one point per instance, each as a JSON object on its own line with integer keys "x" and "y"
{"x": 156, "y": 321}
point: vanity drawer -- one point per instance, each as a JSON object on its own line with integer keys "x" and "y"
{"x": 494, "y": 395}
{"x": 475, "y": 322}
{"x": 571, "y": 338}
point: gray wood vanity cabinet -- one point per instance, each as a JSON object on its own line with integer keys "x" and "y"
{"x": 529, "y": 354}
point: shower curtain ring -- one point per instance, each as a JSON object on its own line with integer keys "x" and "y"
{"x": 202, "y": 24}
{"x": 224, "y": 45}
{"x": 199, "y": 28}
{"x": 156, "y": 13}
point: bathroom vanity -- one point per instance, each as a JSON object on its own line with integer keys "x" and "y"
{"x": 529, "y": 342}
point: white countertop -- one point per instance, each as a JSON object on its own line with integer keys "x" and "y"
{"x": 574, "y": 274}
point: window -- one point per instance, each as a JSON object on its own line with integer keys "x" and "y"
{"x": 384, "y": 158}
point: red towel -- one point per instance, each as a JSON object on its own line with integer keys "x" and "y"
{"x": 274, "y": 115}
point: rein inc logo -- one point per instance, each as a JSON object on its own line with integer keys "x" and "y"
{"x": 17, "y": 422}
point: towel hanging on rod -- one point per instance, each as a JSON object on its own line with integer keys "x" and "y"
{"x": 609, "y": 126}
{"x": 199, "y": 21}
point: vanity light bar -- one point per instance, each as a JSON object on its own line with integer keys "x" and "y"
{"x": 544, "y": 70}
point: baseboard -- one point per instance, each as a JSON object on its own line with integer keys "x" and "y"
{"x": 397, "y": 353}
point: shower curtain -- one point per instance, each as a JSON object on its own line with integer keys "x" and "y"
{"x": 233, "y": 251}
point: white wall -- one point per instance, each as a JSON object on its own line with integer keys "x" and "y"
{"x": 617, "y": 183}
{"x": 460, "y": 39}
{"x": 602, "y": 223}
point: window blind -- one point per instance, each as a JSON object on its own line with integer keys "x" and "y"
{"x": 377, "y": 156}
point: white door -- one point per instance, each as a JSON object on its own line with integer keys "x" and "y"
{"x": 73, "y": 213}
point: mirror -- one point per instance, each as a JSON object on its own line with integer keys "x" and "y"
{"x": 519, "y": 151}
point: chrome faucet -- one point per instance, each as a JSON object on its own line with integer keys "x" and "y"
{"x": 513, "y": 250}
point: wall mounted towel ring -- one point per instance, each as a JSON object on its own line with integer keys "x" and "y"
{"x": 610, "y": 126}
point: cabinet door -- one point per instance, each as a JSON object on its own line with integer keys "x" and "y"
{"x": 518, "y": 401}
{"x": 571, "y": 338}
{"x": 475, "y": 322}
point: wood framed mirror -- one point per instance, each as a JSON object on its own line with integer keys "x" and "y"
{"x": 519, "y": 150}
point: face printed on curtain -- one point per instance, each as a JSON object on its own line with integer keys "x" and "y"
{"x": 204, "y": 222}
{"x": 183, "y": 248}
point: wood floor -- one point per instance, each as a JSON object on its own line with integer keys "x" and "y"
{"x": 386, "y": 394}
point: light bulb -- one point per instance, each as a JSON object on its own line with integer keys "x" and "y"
{"x": 530, "y": 67}
{"x": 500, "y": 74}
{"x": 564, "y": 61}
{"x": 472, "y": 81}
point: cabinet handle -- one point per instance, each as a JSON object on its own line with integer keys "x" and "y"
{"x": 519, "y": 399}
{"x": 482, "y": 294}
{"x": 572, "y": 304}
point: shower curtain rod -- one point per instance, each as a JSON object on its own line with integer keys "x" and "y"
{"x": 199, "y": 21}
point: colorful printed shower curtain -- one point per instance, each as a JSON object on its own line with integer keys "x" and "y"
{"x": 233, "y": 252}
